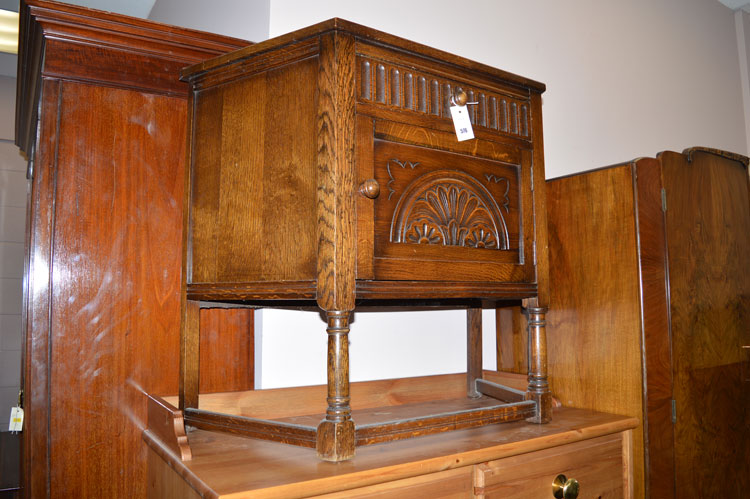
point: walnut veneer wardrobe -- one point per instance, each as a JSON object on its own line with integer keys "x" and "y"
{"x": 101, "y": 114}
{"x": 650, "y": 312}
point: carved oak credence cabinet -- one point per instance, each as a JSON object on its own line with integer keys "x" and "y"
{"x": 324, "y": 166}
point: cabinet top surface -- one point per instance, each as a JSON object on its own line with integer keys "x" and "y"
{"x": 360, "y": 33}
{"x": 229, "y": 464}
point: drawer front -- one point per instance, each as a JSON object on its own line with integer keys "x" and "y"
{"x": 451, "y": 484}
{"x": 597, "y": 464}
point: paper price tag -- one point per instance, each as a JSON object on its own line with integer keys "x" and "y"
{"x": 462, "y": 123}
{"x": 16, "y": 419}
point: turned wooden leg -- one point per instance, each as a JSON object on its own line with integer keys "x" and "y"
{"x": 189, "y": 355}
{"x": 473, "y": 350}
{"x": 538, "y": 389}
{"x": 336, "y": 432}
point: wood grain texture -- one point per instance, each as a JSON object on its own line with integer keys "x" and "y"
{"x": 136, "y": 53}
{"x": 473, "y": 350}
{"x": 655, "y": 326}
{"x": 37, "y": 300}
{"x": 336, "y": 432}
{"x": 451, "y": 484}
{"x": 227, "y": 350}
{"x": 538, "y": 389}
{"x": 299, "y": 401}
{"x": 164, "y": 483}
{"x": 438, "y": 207}
{"x": 102, "y": 275}
{"x": 479, "y": 196}
{"x": 335, "y": 165}
{"x": 594, "y": 340}
{"x": 226, "y": 464}
{"x": 115, "y": 282}
{"x": 708, "y": 234}
{"x": 168, "y": 425}
{"x": 512, "y": 345}
{"x": 253, "y": 208}
{"x": 596, "y": 464}
{"x": 189, "y": 382}
{"x": 540, "y": 238}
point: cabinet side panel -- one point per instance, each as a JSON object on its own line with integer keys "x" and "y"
{"x": 254, "y": 178}
{"x": 205, "y": 178}
{"x": 593, "y": 332}
{"x": 115, "y": 283}
{"x": 35, "y": 468}
{"x": 708, "y": 229}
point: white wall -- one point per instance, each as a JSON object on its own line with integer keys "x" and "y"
{"x": 247, "y": 19}
{"x": 742, "y": 25}
{"x": 12, "y": 220}
{"x": 624, "y": 79}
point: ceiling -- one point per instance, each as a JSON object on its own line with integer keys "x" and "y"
{"x": 135, "y": 8}
{"x": 737, "y": 4}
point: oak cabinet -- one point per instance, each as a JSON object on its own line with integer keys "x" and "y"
{"x": 325, "y": 170}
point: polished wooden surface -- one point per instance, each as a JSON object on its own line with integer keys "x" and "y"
{"x": 658, "y": 435}
{"x": 276, "y": 209}
{"x": 299, "y": 401}
{"x": 103, "y": 275}
{"x": 596, "y": 464}
{"x": 223, "y": 464}
{"x": 227, "y": 350}
{"x": 267, "y": 170}
{"x": 708, "y": 235}
{"x": 595, "y": 290}
{"x": 650, "y": 305}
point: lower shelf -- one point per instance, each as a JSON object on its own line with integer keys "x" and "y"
{"x": 379, "y": 424}
{"x": 406, "y": 410}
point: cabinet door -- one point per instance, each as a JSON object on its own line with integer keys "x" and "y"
{"x": 708, "y": 239}
{"x": 446, "y": 211}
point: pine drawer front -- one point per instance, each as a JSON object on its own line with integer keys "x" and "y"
{"x": 597, "y": 464}
{"x": 450, "y": 484}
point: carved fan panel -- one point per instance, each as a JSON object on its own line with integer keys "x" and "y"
{"x": 449, "y": 208}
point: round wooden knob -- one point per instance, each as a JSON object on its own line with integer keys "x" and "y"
{"x": 460, "y": 98}
{"x": 564, "y": 487}
{"x": 370, "y": 188}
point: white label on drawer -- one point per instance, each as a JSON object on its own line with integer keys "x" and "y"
{"x": 462, "y": 123}
{"x": 16, "y": 419}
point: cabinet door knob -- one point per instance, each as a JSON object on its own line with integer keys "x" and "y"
{"x": 370, "y": 188}
{"x": 460, "y": 98}
{"x": 564, "y": 487}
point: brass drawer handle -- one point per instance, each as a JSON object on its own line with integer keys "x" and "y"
{"x": 564, "y": 487}
{"x": 370, "y": 188}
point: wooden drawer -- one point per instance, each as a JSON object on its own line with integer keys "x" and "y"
{"x": 597, "y": 464}
{"x": 453, "y": 484}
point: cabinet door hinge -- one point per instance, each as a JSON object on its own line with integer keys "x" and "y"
{"x": 674, "y": 411}
{"x": 663, "y": 200}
